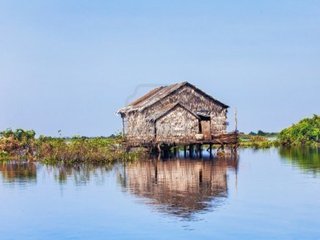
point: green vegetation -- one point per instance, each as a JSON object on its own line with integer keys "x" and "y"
{"x": 257, "y": 141}
{"x": 306, "y": 132}
{"x": 264, "y": 134}
{"x": 22, "y": 145}
{"x": 16, "y": 144}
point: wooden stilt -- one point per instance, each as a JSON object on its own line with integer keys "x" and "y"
{"x": 200, "y": 150}
{"x": 166, "y": 150}
{"x": 159, "y": 150}
{"x": 159, "y": 147}
{"x": 175, "y": 150}
{"x": 191, "y": 150}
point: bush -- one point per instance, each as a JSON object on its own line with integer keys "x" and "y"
{"x": 80, "y": 149}
{"x": 306, "y": 132}
{"x": 256, "y": 141}
{"x": 17, "y": 144}
{"x": 22, "y": 145}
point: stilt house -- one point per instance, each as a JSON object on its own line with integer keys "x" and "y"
{"x": 176, "y": 114}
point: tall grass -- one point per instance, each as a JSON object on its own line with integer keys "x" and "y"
{"x": 67, "y": 150}
{"x": 255, "y": 141}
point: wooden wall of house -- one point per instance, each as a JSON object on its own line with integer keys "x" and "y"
{"x": 178, "y": 124}
{"x": 196, "y": 102}
{"x": 138, "y": 127}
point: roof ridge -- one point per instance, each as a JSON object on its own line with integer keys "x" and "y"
{"x": 146, "y": 96}
{"x": 157, "y": 94}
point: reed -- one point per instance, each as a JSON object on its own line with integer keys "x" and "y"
{"x": 21, "y": 145}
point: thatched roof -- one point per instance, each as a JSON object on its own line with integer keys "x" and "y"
{"x": 159, "y": 93}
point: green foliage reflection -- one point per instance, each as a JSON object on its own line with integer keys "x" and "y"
{"x": 305, "y": 158}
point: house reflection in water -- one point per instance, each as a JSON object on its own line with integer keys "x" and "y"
{"x": 180, "y": 187}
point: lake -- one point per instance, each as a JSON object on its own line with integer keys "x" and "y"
{"x": 262, "y": 194}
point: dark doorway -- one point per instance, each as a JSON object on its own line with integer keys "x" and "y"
{"x": 205, "y": 126}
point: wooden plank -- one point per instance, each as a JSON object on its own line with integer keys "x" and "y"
{"x": 227, "y": 139}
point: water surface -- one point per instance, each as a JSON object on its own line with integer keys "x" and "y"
{"x": 262, "y": 194}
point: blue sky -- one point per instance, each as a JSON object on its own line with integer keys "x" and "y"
{"x": 69, "y": 65}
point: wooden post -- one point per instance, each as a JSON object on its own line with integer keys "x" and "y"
{"x": 236, "y": 120}
{"x": 210, "y": 150}
{"x": 191, "y": 150}
{"x": 175, "y": 150}
{"x": 123, "y": 129}
{"x": 185, "y": 151}
{"x": 166, "y": 150}
{"x": 200, "y": 150}
{"x": 197, "y": 149}
{"x": 159, "y": 150}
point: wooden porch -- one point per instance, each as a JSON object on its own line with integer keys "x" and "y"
{"x": 222, "y": 139}
{"x": 191, "y": 146}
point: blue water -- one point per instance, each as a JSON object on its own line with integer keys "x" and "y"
{"x": 264, "y": 194}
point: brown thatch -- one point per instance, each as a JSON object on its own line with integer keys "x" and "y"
{"x": 159, "y": 93}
